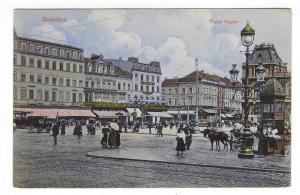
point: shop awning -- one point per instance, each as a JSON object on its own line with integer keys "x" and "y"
{"x": 183, "y": 112}
{"x": 138, "y": 111}
{"x": 52, "y": 113}
{"x": 223, "y": 116}
{"x": 22, "y": 110}
{"x": 160, "y": 114}
{"x": 107, "y": 114}
{"x": 122, "y": 113}
{"x": 229, "y": 115}
{"x": 210, "y": 111}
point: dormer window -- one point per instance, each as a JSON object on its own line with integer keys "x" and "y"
{"x": 54, "y": 52}
{"x": 23, "y": 46}
{"x": 40, "y": 49}
{"x": 68, "y": 54}
{"x": 74, "y": 55}
{"x": 62, "y": 53}
{"x": 31, "y": 48}
{"x": 47, "y": 51}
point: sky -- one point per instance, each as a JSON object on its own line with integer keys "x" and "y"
{"x": 174, "y": 37}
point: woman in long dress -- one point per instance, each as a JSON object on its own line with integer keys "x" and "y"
{"x": 104, "y": 139}
{"x": 111, "y": 138}
{"x": 180, "y": 138}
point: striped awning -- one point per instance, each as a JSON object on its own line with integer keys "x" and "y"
{"x": 52, "y": 113}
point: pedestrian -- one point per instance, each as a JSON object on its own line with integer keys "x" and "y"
{"x": 111, "y": 138}
{"x": 63, "y": 128}
{"x": 157, "y": 130}
{"x": 79, "y": 130}
{"x": 137, "y": 127}
{"x": 188, "y": 138}
{"x": 149, "y": 126}
{"x": 125, "y": 126}
{"x": 104, "y": 138}
{"x": 118, "y": 141}
{"x": 75, "y": 132}
{"x": 55, "y": 132}
{"x": 180, "y": 138}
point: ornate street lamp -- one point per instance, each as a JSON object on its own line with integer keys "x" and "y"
{"x": 234, "y": 73}
{"x": 260, "y": 73}
{"x": 246, "y": 151}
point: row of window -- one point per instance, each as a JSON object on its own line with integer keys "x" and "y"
{"x": 141, "y": 97}
{"x": 107, "y": 85}
{"x": 206, "y": 101}
{"x": 53, "y": 51}
{"x": 207, "y": 90}
{"x": 109, "y": 96}
{"x": 232, "y": 104}
{"x": 146, "y": 77}
{"x": 46, "y": 64}
{"x": 144, "y": 67}
{"x": 48, "y": 80}
{"x": 100, "y": 68}
{"x": 271, "y": 108}
{"x": 146, "y": 88}
{"x": 47, "y": 95}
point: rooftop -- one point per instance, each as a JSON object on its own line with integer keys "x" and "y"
{"x": 46, "y": 42}
{"x": 265, "y": 53}
{"x": 201, "y": 75}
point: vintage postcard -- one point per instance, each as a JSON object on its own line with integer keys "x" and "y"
{"x": 151, "y": 98}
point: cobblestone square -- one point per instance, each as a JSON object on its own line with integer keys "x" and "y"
{"x": 142, "y": 161}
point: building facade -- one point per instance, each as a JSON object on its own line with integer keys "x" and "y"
{"x": 215, "y": 94}
{"x": 267, "y": 56}
{"x": 47, "y": 74}
{"x": 146, "y": 79}
{"x": 105, "y": 82}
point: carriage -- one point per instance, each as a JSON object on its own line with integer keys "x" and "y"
{"x": 38, "y": 125}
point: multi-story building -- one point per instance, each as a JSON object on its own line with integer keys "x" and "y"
{"x": 47, "y": 73}
{"x": 215, "y": 94}
{"x": 267, "y": 56}
{"x": 105, "y": 82}
{"x": 146, "y": 79}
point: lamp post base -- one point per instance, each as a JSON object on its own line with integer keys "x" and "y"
{"x": 246, "y": 150}
{"x": 247, "y": 156}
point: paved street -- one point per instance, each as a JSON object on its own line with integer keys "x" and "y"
{"x": 37, "y": 163}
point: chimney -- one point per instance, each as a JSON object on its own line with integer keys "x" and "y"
{"x": 155, "y": 63}
{"x": 133, "y": 59}
{"x": 94, "y": 56}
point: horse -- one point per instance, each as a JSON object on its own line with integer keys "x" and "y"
{"x": 215, "y": 136}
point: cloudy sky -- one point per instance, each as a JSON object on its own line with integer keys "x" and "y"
{"x": 175, "y": 37}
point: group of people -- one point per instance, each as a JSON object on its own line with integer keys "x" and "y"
{"x": 184, "y": 140}
{"x": 110, "y": 138}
